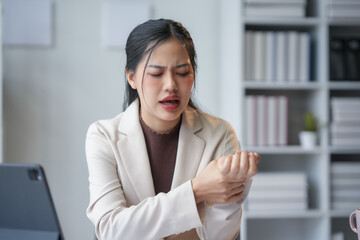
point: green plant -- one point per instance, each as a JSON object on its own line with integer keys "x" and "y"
{"x": 310, "y": 122}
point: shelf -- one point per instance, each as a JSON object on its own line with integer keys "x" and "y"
{"x": 284, "y": 214}
{"x": 311, "y": 21}
{"x": 341, "y": 213}
{"x": 345, "y": 150}
{"x": 284, "y": 150}
{"x": 283, "y": 86}
{"x": 344, "y": 22}
{"x": 319, "y": 221}
{"x": 344, "y": 85}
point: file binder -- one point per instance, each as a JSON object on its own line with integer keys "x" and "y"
{"x": 337, "y": 71}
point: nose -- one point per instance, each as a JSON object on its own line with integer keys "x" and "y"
{"x": 170, "y": 83}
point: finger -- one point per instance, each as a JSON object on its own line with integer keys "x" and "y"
{"x": 235, "y": 197}
{"x": 257, "y": 157}
{"x": 244, "y": 165}
{"x": 234, "y": 189}
{"x": 235, "y": 165}
{"x": 220, "y": 164}
{"x": 237, "y": 187}
{"x": 253, "y": 166}
{"x": 224, "y": 165}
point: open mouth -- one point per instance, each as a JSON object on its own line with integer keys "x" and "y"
{"x": 170, "y": 102}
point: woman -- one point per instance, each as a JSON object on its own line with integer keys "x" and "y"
{"x": 156, "y": 169}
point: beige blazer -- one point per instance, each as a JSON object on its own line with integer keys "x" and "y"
{"x": 123, "y": 204}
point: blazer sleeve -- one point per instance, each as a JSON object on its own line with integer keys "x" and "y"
{"x": 222, "y": 221}
{"x": 153, "y": 218}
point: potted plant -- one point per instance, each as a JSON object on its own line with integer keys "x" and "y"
{"x": 308, "y": 136}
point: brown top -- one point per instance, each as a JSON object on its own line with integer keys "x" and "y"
{"x": 162, "y": 149}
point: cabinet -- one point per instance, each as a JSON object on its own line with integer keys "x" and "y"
{"x": 319, "y": 221}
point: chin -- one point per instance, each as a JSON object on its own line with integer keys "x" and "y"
{"x": 171, "y": 116}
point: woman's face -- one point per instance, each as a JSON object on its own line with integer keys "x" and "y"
{"x": 166, "y": 89}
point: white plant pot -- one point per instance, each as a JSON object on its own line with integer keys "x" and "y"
{"x": 307, "y": 139}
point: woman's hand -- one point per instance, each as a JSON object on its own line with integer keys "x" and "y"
{"x": 240, "y": 166}
{"x": 223, "y": 180}
{"x": 213, "y": 187}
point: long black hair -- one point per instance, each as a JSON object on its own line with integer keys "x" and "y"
{"x": 144, "y": 39}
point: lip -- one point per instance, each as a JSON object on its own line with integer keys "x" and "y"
{"x": 170, "y": 106}
{"x": 169, "y": 98}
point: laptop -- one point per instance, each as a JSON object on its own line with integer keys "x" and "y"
{"x": 26, "y": 207}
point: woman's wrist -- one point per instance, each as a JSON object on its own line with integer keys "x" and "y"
{"x": 196, "y": 191}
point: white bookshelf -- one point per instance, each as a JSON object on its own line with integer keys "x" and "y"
{"x": 319, "y": 222}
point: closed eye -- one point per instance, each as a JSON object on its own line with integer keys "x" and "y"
{"x": 155, "y": 74}
{"x": 183, "y": 74}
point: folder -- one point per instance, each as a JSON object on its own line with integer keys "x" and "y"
{"x": 337, "y": 71}
{"x": 352, "y": 54}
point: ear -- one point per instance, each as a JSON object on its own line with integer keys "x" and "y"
{"x": 130, "y": 78}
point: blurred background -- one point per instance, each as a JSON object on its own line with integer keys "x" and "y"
{"x": 53, "y": 92}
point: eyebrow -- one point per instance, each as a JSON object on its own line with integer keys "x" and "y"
{"x": 161, "y": 67}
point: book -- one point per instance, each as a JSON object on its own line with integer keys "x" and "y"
{"x": 344, "y": 182}
{"x": 285, "y": 176}
{"x": 351, "y": 184}
{"x": 280, "y": 180}
{"x": 283, "y": 120}
{"x": 259, "y": 56}
{"x": 352, "y": 187}
{"x": 345, "y": 168}
{"x": 256, "y": 206}
{"x": 352, "y": 58}
{"x": 281, "y": 57}
{"x": 292, "y": 56}
{"x": 342, "y": 2}
{"x": 345, "y": 205}
{"x": 304, "y": 57}
{"x": 277, "y": 195}
{"x": 346, "y": 194}
{"x": 275, "y": 10}
{"x": 345, "y": 142}
{"x": 261, "y": 105}
{"x": 349, "y": 135}
{"x": 251, "y": 121}
{"x": 341, "y": 102}
{"x": 249, "y": 55}
{"x": 272, "y": 122}
{"x": 350, "y": 11}
{"x": 337, "y": 66}
{"x": 280, "y": 186}
{"x": 276, "y": 1}
{"x": 335, "y": 189}
{"x": 345, "y": 103}
{"x": 270, "y": 62}
{"x": 346, "y": 116}
{"x": 345, "y": 127}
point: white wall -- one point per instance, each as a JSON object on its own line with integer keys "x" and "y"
{"x": 51, "y": 95}
{"x": 1, "y": 92}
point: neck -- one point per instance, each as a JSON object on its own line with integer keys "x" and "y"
{"x": 160, "y": 126}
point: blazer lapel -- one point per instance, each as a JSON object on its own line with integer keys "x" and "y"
{"x": 134, "y": 153}
{"x": 190, "y": 149}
